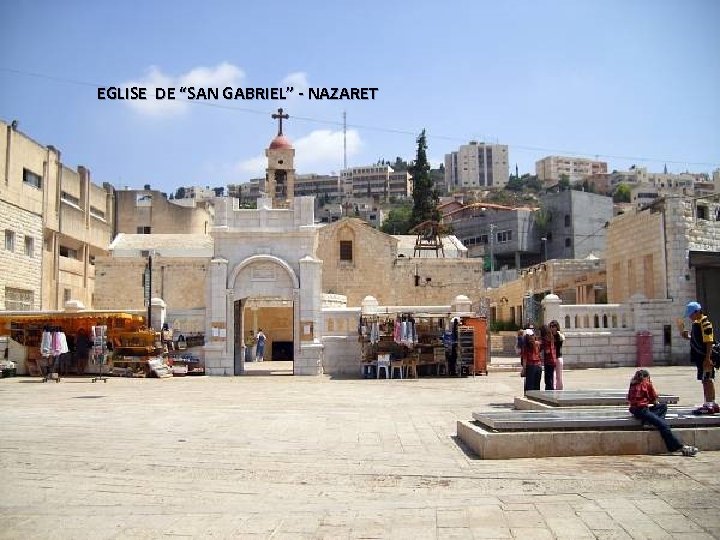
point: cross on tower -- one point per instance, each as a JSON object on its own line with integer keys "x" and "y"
{"x": 279, "y": 117}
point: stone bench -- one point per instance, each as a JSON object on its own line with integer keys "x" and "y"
{"x": 580, "y": 432}
{"x": 554, "y": 399}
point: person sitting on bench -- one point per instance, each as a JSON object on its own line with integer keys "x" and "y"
{"x": 644, "y": 406}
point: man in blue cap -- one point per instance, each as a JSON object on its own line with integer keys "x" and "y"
{"x": 701, "y": 342}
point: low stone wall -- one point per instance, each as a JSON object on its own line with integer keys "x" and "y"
{"x": 503, "y": 343}
{"x": 606, "y": 348}
{"x": 341, "y": 357}
{"x": 506, "y": 445}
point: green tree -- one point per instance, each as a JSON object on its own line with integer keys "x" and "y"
{"x": 180, "y": 193}
{"x": 425, "y": 198}
{"x": 398, "y": 220}
{"x": 622, "y": 193}
{"x": 514, "y": 184}
{"x": 564, "y": 182}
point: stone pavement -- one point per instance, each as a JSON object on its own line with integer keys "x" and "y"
{"x": 288, "y": 457}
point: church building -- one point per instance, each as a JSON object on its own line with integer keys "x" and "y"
{"x": 265, "y": 273}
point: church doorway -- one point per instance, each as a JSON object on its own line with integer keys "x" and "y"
{"x": 275, "y": 317}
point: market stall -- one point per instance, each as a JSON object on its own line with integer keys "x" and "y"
{"x": 78, "y": 328}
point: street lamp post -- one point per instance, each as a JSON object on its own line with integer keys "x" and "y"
{"x": 149, "y": 300}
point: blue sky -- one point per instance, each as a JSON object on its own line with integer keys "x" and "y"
{"x": 628, "y": 81}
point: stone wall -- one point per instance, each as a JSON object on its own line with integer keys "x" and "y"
{"x": 19, "y": 270}
{"x": 180, "y": 282}
{"x": 342, "y": 352}
{"x": 160, "y": 214}
{"x": 375, "y": 269}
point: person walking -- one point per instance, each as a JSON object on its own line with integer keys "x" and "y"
{"x": 643, "y": 400}
{"x": 701, "y": 343}
{"x": 559, "y": 339}
{"x": 260, "y": 347}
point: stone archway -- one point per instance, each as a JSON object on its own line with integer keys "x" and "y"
{"x": 270, "y": 285}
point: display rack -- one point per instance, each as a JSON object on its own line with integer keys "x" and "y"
{"x": 99, "y": 351}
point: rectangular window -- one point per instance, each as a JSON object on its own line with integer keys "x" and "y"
{"x": 568, "y": 242}
{"x": 18, "y": 299}
{"x": 9, "y": 240}
{"x": 96, "y": 213}
{"x": 143, "y": 230}
{"x": 32, "y": 179}
{"x": 70, "y": 199}
{"x": 70, "y": 253}
{"x": 66, "y": 295}
{"x": 567, "y": 220}
{"x": 504, "y": 237}
{"x": 29, "y": 246}
{"x": 346, "y": 252}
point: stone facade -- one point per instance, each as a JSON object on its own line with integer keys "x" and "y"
{"x": 150, "y": 212}
{"x": 263, "y": 256}
{"x": 20, "y": 270}
{"x": 179, "y": 271}
{"x": 573, "y": 280}
{"x": 75, "y": 218}
{"x": 375, "y": 269}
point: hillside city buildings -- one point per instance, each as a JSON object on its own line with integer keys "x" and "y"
{"x": 67, "y": 238}
{"x": 551, "y": 169}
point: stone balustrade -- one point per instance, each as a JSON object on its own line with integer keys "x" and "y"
{"x": 595, "y": 316}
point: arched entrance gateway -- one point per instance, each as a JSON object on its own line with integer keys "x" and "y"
{"x": 265, "y": 274}
{"x": 264, "y": 291}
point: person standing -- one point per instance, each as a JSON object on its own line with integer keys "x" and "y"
{"x": 643, "y": 400}
{"x": 701, "y": 342}
{"x": 559, "y": 339}
{"x": 549, "y": 358}
{"x": 531, "y": 362}
{"x": 260, "y": 347}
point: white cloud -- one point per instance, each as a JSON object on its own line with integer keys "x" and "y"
{"x": 252, "y": 168}
{"x": 321, "y": 151}
{"x": 298, "y": 81}
{"x": 222, "y": 75}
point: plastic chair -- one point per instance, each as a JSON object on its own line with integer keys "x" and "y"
{"x": 396, "y": 365}
{"x": 410, "y": 368}
{"x": 384, "y": 364}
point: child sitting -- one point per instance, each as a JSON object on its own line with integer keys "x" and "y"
{"x": 643, "y": 400}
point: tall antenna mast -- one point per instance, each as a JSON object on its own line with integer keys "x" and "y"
{"x": 344, "y": 140}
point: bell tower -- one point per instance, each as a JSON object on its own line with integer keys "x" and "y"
{"x": 280, "y": 172}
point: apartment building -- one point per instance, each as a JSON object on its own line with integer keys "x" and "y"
{"x": 476, "y": 165}
{"x": 55, "y": 223}
{"x": 550, "y": 169}
{"x": 325, "y": 187}
{"x": 379, "y": 182}
{"x": 505, "y": 234}
{"x": 247, "y": 192}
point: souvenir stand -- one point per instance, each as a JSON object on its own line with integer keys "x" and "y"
{"x": 26, "y": 328}
{"x": 400, "y": 342}
{"x": 138, "y": 354}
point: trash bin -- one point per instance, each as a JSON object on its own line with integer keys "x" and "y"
{"x": 644, "y": 352}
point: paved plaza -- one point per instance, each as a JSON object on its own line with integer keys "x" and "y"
{"x": 275, "y": 456}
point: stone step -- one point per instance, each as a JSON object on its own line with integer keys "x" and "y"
{"x": 501, "y": 364}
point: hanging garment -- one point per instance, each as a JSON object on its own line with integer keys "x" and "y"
{"x": 55, "y": 344}
{"x": 63, "y": 343}
{"x": 46, "y": 343}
